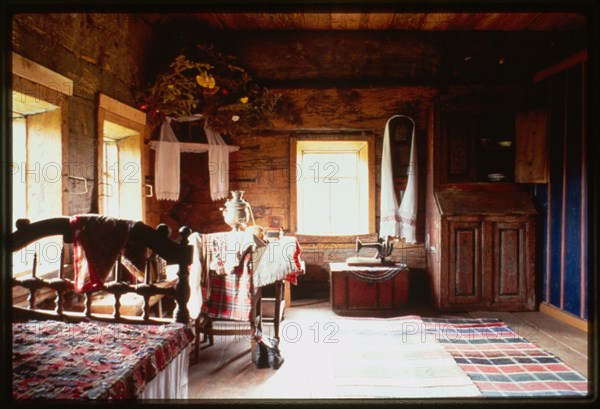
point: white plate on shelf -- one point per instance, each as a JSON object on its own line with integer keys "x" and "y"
{"x": 496, "y": 177}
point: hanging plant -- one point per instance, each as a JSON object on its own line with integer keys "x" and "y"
{"x": 202, "y": 81}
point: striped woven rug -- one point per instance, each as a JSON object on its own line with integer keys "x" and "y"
{"x": 501, "y": 363}
{"x": 391, "y": 358}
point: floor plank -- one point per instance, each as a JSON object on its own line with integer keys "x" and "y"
{"x": 566, "y": 342}
{"x": 565, "y": 334}
{"x": 226, "y": 371}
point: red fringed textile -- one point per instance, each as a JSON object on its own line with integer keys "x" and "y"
{"x": 98, "y": 241}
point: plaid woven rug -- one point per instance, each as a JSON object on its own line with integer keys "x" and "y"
{"x": 500, "y": 362}
{"x": 390, "y": 358}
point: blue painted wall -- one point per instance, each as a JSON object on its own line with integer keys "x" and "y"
{"x": 563, "y": 201}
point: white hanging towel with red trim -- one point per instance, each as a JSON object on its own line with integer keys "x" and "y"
{"x": 408, "y": 206}
{"x": 389, "y": 222}
{"x": 398, "y": 221}
{"x": 166, "y": 164}
{"x": 218, "y": 164}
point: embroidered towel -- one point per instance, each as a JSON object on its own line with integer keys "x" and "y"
{"x": 278, "y": 260}
{"x": 218, "y": 164}
{"x": 227, "y": 249}
{"x": 408, "y": 207}
{"x": 389, "y": 224}
{"x": 166, "y": 164}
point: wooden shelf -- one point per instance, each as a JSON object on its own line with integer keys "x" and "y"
{"x": 463, "y": 158}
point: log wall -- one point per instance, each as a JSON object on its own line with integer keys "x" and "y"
{"x": 110, "y": 53}
{"x": 101, "y": 53}
{"x": 261, "y": 167}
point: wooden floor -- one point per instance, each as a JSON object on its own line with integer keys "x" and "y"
{"x": 225, "y": 370}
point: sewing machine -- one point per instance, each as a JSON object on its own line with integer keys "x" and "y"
{"x": 384, "y": 249}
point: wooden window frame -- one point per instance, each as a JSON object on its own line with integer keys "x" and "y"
{"x": 114, "y": 111}
{"x": 32, "y": 80}
{"x": 316, "y": 136}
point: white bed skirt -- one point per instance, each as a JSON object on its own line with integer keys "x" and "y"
{"x": 171, "y": 382}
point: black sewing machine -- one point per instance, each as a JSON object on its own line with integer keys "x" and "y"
{"x": 384, "y": 249}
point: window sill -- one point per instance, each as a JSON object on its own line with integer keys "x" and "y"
{"x": 334, "y": 239}
{"x": 67, "y": 272}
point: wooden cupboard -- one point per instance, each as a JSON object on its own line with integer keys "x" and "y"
{"x": 531, "y": 150}
{"x": 485, "y": 258}
{"x": 480, "y": 235}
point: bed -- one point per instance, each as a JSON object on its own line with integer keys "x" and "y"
{"x": 62, "y": 353}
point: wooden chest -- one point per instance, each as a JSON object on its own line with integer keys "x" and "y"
{"x": 349, "y": 293}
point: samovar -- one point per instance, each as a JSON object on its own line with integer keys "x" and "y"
{"x": 236, "y": 211}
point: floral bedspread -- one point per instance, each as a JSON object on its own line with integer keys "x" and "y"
{"x": 91, "y": 360}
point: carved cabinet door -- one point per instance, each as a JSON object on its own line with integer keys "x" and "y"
{"x": 512, "y": 261}
{"x": 490, "y": 263}
{"x": 465, "y": 262}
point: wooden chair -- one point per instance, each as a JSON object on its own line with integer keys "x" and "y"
{"x": 248, "y": 322}
{"x": 206, "y": 326}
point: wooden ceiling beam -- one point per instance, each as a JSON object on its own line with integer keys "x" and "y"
{"x": 367, "y": 18}
{"x": 408, "y": 21}
{"x": 557, "y": 21}
{"x": 436, "y": 21}
{"x": 345, "y": 21}
{"x": 317, "y": 21}
{"x": 321, "y": 58}
{"x": 376, "y": 21}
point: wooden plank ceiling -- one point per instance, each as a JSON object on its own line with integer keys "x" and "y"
{"x": 508, "y": 21}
